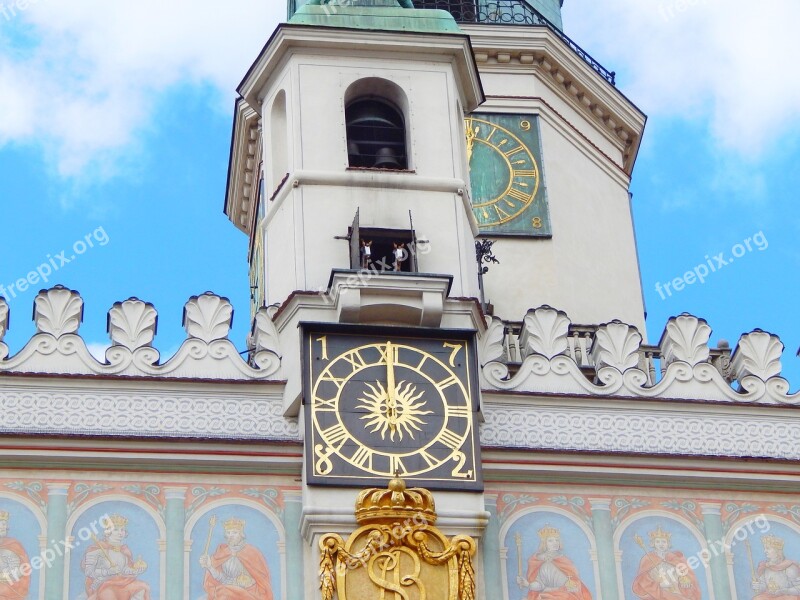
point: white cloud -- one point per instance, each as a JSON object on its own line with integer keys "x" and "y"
{"x": 728, "y": 61}
{"x": 87, "y": 84}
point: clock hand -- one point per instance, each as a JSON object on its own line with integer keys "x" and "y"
{"x": 472, "y": 133}
{"x": 391, "y": 404}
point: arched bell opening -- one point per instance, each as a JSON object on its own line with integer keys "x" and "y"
{"x": 376, "y": 135}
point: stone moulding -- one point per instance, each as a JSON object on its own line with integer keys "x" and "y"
{"x": 207, "y": 353}
{"x": 619, "y": 363}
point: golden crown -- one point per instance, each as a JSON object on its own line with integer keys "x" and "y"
{"x": 395, "y": 504}
{"x": 4, "y": 515}
{"x": 549, "y": 531}
{"x": 234, "y": 523}
{"x": 659, "y": 534}
{"x": 118, "y": 521}
{"x": 772, "y": 541}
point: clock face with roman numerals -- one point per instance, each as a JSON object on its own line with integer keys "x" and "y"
{"x": 385, "y": 401}
{"x": 508, "y": 192}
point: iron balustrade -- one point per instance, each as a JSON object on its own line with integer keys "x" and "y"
{"x": 511, "y": 12}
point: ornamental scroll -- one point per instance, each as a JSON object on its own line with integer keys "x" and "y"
{"x": 397, "y": 553}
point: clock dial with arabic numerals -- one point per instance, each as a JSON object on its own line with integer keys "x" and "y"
{"x": 384, "y": 401}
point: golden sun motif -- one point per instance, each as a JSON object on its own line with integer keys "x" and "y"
{"x": 394, "y": 413}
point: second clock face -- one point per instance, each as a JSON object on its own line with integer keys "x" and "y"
{"x": 378, "y": 405}
{"x": 506, "y": 179}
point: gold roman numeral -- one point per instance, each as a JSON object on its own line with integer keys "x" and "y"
{"x": 513, "y": 151}
{"x": 446, "y": 383}
{"x": 363, "y": 458}
{"x": 336, "y": 435}
{"x": 450, "y": 439}
{"x": 355, "y": 360}
{"x": 500, "y": 212}
{"x": 320, "y": 404}
{"x": 396, "y": 466}
{"x": 462, "y": 412}
{"x": 519, "y": 195}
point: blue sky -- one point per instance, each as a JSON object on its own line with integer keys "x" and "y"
{"x": 115, "y": 123}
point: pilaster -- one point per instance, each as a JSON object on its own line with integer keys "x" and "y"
{"x": 712, "y": 521}
{"x": 292, "y": 512}
{"x": 56, "y": 531}
{"x": 175, "y": 519}
{"x": 491, "y": 546}
{"x": 604, "y": 540}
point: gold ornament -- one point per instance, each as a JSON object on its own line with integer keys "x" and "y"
{"x": 397, "y": 550}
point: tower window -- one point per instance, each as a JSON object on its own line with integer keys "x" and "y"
{"x": 376, "y": 135}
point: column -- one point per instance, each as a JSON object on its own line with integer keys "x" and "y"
{"x": 712, "y": 522}
{"x": 292, "y": 511}
{"x": 175, "y": 516}
{"x": 491, "y": 547}
{"x": 56, "y": 532}
{"x": 604, "y": 541}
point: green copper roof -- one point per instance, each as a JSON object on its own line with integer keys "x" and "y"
{"x": 384, "y": 15}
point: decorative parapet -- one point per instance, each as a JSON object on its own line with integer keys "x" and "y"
{"x": 758, "y": 355}
{"x": 265, "y": 343}
{"x": 132, "y": 324}
{"x": 208, "y": 317}
{"x": 3, "y": 327}
{"x": 682, "y": 367}
{"x": 616, "y": 346}
{"x": 685, "y": 339}
{"x": 58, "y": 311}
{"x": 207, "y": 353}
{"x": 545, "y": 331}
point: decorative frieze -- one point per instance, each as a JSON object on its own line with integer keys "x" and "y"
{"x": 123, "y": 412}
{"x": 652, "y": 432}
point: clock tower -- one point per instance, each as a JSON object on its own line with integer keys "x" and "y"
{"x": 376, "y": 144}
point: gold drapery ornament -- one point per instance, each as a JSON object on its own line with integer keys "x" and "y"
{"x": 397, "y": 550}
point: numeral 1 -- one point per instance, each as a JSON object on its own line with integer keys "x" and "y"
{"x": 324, "y": 343}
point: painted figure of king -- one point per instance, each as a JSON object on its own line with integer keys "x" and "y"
{"x": 13, "y": 584}
{"x": 551, "y": 575}
{"x": 663, "y": 573}
{"x": 237, "y": 570}
{"x": 778, "y": 577}
{"x": 111, "y": 572}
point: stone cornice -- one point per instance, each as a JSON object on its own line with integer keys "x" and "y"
{"x": 241, "y": 194}
{"x": 288, "y": 39}
{"x": 502, "y": 49}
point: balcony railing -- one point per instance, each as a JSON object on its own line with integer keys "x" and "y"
{"x": 510, "y": 12}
